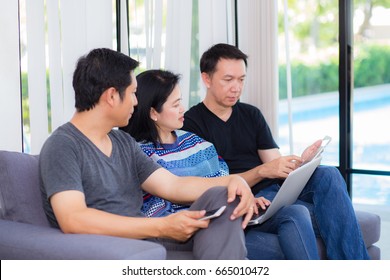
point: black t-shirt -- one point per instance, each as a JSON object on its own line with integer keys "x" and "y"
{"x": 238, "y": 139}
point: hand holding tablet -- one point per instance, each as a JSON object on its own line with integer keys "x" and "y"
{"x": 313, "y": 151}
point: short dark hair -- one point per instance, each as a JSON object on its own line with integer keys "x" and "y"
{"x": 97, "y": 71}
{"x": 153, "y": 90}
{"x": 210, "y": 58}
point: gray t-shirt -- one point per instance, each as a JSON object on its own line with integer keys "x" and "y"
{"x": 70, "y": 161}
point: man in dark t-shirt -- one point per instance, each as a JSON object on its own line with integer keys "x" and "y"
{"x": 243, "y": 138}
{"x": 238, "y": 139}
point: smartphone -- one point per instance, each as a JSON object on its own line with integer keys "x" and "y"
{"x": 325, "y": 142}
{"x": 213, "y": 213}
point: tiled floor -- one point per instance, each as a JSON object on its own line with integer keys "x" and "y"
{"x": 384, "y": 213}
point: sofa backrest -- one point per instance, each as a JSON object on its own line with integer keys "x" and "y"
{"x": 20, "y": 196}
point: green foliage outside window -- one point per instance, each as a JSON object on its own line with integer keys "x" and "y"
{"x": 371, "y": 67}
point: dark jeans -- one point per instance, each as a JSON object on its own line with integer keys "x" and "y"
{"x": 332, "y": 214}
{"x": 292, "y": 236}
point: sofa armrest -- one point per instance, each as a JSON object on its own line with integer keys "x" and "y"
{"x": 26, "y": 241}
{"x": 370, "y": 225}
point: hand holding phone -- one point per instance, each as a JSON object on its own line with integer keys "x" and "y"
{"x": 325, "y": 142}
{"x": 213, "y": 213}
{"x": 314, "y": 154}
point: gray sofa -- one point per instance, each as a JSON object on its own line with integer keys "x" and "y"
{"x": 26, "y": 234}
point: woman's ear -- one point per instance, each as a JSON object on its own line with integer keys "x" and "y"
{"x": 153, "y": 114}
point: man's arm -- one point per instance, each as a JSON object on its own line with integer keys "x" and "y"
{"x": 185, "y": 189}
{"x": 74, "y": 216}
{"x": 277, "y": 166}
{"x": 274, "y": 166}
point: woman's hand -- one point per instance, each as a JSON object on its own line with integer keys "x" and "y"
{"x": 261, "y": 202}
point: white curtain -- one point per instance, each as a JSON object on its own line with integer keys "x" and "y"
{"x": 146, "y": 31}
{"x": 178, "y": 43}
{"x": 86, "y": 24}
{"x": 10, "y": 96}
{"x": 257, "y": 37}
{"x": 216, "y": 25}
{"x": 74, "y": 27}
{"x": 35, "y": 23}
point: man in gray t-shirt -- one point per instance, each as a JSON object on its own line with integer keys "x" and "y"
{"x": 92, "y": 175}
{"x": 100, "y": 176}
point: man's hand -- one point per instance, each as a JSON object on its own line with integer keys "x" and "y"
{"x": 182, "y": 225}
{"x": 311, "y": 151}
{"x": 238, "y": 187}
{"x": 279, "y": 167}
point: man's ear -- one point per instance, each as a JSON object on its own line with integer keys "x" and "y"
{"x": 206, "y": 79}
{"x": 109, "y": 95}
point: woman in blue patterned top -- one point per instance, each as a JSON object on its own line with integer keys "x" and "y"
{"x": 188, "y": 154}
{"x": 182, "y": 153}
{"x": 156, "y": 124}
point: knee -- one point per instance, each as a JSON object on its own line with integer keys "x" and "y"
{"x": 328, "y": 178}
{"x": 295, "y": 217}
{"x": 216, "y": 192}
{"x": 326, "y": 171}
{"x": 211, "y": 199}
{"x": 217, "y": 196}
{"x": 297, "y": 212}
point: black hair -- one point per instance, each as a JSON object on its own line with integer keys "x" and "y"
{"x": 97, "y": 71}
{"x": 210, "y": 58}
{"x": 154, "y": 88}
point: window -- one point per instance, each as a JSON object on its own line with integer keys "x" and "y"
{"x": 313, "y": 59}
{"x": 309, "y": 62}
{"x": 371, "y": 102}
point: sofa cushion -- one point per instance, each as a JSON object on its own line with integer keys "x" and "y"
{"x": 370, "y": 225}
{"x": 31, "y": 242}
{"x": 20, "y": 196}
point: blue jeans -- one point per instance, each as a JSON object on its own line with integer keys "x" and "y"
{"x": 333, "y": 217}
{"x": 287, "y": 234}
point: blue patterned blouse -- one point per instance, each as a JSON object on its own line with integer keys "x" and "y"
{"x": 190, "y": 155}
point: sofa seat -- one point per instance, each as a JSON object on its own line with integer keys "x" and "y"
{"x": 26, "y": 234}
{"x": 370, "y": 225}
{"x": 25, "y": 231}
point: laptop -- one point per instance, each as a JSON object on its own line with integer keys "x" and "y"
{"x": 289, "y": 191}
